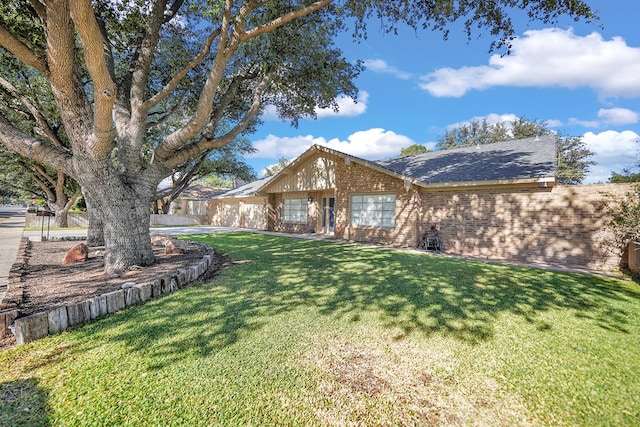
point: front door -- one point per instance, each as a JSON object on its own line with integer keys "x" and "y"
{"x": 328, "y": 214}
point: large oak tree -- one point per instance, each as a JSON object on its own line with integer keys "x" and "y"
{"x": 32, "y": 180}
{"x": 118, "y": 69}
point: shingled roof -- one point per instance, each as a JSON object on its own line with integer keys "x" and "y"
{"x": 510, "y": 160}
{"x": 522, "y": 159}
{"x": 249, "y": 189}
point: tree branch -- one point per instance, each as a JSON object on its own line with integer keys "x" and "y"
{"x": 163, "y": 117}
{"x": 279, "y": 22}
{"x": 175, "y": 144}
{"x": 32, "y": 148}
{"x": 38, "y": 178}
{"x": 43, "y": 173}
{"x": 97, "y": 58}
{"x": 22, "y": 52}
{"x": 42, "y": 126}
{"x": 180, "y": 156}
{"x": 171, "y": 13}
{"x": 158, "y": 97}
{"x": 40, "y": 9}
{"x": 65, "y": 83}
{"x": 147, "y": 48}
{"x": 60, "y": 48}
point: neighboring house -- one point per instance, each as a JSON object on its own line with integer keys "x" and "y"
{"x": 498, "y": 201}
{"x": 193, "y": 200}
{"x": 241, "y": 207}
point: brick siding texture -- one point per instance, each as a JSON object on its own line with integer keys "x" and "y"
{"x": 564, "y": 226}
{"x": 357, "y": 179}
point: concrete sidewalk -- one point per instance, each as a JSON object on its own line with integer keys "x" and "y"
{"x": 11, "y": 226}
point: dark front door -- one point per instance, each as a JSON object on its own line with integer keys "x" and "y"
{"x": 328, "y": 214}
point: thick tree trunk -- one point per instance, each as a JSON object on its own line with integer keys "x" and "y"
{"x": 95, "y": 231}
{"x": 124, "y": 216}
{"x": 62, "y": 218}
{"x": 61, "y": 208}
{"x": 126, "y": 234}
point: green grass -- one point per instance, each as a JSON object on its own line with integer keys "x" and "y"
{"x": 308, "y": 333}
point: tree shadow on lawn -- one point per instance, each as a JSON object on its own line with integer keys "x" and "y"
{"x": 415, "y": 293}
{"x": 23, "y": 403}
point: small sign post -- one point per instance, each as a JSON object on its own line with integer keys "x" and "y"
{"x": 48, "y": 214}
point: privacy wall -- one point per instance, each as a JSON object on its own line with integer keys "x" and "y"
{"x": 564, "y": 225}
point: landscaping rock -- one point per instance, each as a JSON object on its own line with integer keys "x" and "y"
{"x": 78, "y": 253}
{"x": 144, "y": 291}
{"x": 98, "y": 306}
{"x": 160, "y": 239}
{"x": 31, "y": 328}
{"x": 58, "y": 320}
{"x": 78, "y": 313}
{"x": 174, "y": 246}
{"x": 6, "y": 320}
{"x": 131, "y": 296}
{"x": 115, "y": 301}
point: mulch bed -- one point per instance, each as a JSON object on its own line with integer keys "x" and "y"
{"x": 49, "y": 284}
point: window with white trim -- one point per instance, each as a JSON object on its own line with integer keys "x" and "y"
{"x": 373, "y": 210}
{"x": 295, "y": 211}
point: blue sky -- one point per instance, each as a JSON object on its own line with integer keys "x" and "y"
{"x": 581, "y": 79}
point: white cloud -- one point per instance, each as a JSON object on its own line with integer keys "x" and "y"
{"x": 553, "y": 123}
{"x": 381, "y": 66}
{"x": 608, "y": 117}
{"x": 618, "y": 116}
{"x": 491, "y": 119}
{"x": 347, "y": 108}
{"x": 549, "y": 58}
{"x": 584, "y": 123}
{"x": 275, "y": 147}
{"x": 614, "y": 152}
{"x": 372, "y": 144}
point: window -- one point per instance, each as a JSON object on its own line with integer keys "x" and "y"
{"x": 295, "y": 210}
{"x": 374, "y": 210}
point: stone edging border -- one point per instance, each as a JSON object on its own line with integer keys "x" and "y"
{"x": 39, "y": 325}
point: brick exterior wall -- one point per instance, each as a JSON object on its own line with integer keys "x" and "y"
{"x": 358, "y": 179}
{"x": 276, "y": 207}
{"x": 563, "y": 225}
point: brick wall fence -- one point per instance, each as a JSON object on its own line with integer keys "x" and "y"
{"x": 563, "y": 226}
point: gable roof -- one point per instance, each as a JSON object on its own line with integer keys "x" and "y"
{"x": 522, "y": 160}
{"x": 527, "y": 158}
{"x": 249, "y": 189}
{"x": 201, "y": 192}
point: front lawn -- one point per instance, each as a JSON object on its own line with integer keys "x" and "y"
{"x": 309, "y": 333}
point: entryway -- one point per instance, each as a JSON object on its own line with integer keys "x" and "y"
{"x": 328, "y": 214}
